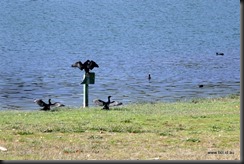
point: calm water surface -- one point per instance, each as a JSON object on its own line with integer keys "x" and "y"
{"x": 173, "y": 40}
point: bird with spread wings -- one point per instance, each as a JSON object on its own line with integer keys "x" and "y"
{"x": 49, "y": 105}
{"x": 87, "y": 66}
{"x": 107, "y": 104}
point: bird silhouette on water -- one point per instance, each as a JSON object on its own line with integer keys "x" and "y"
{"x": 47, "y": 106}
{"x": 149, "y": 77}
{"x": 220, "y": 53}
{"x": 107, "y": 104}
{"x": 200, "y": 86}
{"x": 87, "y": 66}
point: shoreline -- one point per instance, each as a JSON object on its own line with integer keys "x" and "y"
{"x": 139, "y": 102}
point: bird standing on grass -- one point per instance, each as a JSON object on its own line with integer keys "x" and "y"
{"x": 48, "y": 106}
{"x": 42, "y": 104}
{"x": 107, "y": 104}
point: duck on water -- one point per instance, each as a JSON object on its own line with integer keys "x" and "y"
{"x": 149, "y": 77}
{"x": 220, "y": 53}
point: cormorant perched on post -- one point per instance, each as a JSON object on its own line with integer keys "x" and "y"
{"x": 87, "y": 66}
{"x": 107, "y": 104}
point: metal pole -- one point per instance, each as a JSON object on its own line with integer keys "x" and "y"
{"x": 85, "y": 91}
{"x": 85, "y": 95}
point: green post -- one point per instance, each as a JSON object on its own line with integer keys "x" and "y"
{"x": 85, "y": 95}
{"x": 88, "y": 78}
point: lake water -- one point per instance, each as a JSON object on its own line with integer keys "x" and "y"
{"x": 174, "y": 40}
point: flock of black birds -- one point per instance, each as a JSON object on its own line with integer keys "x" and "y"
{"x": 86, "y": 66}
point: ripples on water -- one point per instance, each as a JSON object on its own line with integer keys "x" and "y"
{"x": 174, "y": 42}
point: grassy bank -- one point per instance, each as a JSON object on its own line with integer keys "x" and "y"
{"x": 195, "y": 130}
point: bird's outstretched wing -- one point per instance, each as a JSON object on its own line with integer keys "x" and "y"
{"x": 78, "y": 65}
{"x": 99, "y": 102}
{"x": 40, "y": 102}
{"x": 115, "y": 103}
{"x": 92, "y": 64}
{"x": 57, "y": 104}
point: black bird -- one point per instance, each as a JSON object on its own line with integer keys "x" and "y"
{"x": 107, "y": 104}
{"x": 149, "y": 77}
{"x": 48, "y": 106}
{"x": 87, "y": 66}
{"x": 220, "y": 53}
{"x": 42, "y": 104}
{"x": 56, "y": 104}
{"x": 200, "y": 86}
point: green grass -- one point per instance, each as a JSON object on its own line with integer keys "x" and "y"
{"x": 160, "y": 131}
